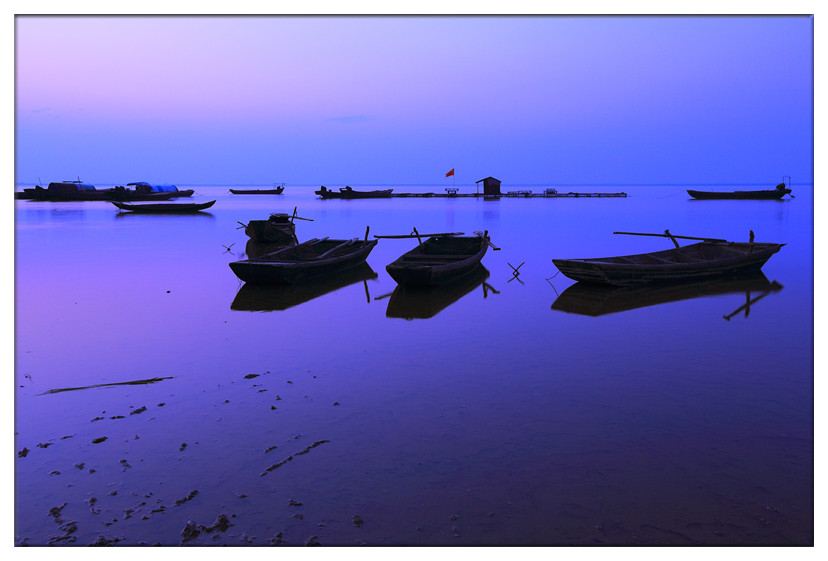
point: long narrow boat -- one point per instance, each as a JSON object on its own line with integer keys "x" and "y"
{"x": 308, "y": 260}
{"x": 164, "y": 207}
{"x": 705, "y": 259}
{"x": 66, "y": 191}
{"x": 348, "y": 193}
{"x": 276, "y": 191}
{"x": 439, "y": 260}
{"x": 766, "y": 194}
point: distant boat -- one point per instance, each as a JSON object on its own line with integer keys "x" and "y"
{"x": 275, "y": 191}
{"x": 711, "y": 258}
{"x": 144, "y": 187}
{"x": 767, "y": 194}
{"x": 597, "y": 300}
{"x": 264, "y": 298}
{"x": 308, "y": 260}
{"x": 156, "y": 208}
{"x": 439, "y": 260}
{"x": 62, "y": 191}
{"x": 348, "y": 193}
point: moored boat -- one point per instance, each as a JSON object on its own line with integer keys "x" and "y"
{"x": 766, "y": 194}
{"x": 275, "y": 191}
{"x": 308, "y": 260}
{"x": 349, "y": 193}
{"x": 144, "y": 187}
{"x": 64, "y": 191}
{"x": 439, "y": 260}
{"x": 157, "y": 208}
{"x": 409, "y": 302}
{"x": 706, "y": 259}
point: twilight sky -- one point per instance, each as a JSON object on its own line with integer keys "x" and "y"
{"x": 549, "y": 100}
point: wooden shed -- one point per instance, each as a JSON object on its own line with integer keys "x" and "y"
{"x": 491, "y": 187}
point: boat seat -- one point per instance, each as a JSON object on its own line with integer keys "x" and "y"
{"x": 435, "y": 257}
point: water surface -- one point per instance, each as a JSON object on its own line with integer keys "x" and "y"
{"x": 480, "y": 416}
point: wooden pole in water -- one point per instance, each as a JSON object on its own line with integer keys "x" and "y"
{"x": 419, "y": 239}
{"x": 365, "y": 241}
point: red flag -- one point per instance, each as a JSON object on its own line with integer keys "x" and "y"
{"x": 449, "y": 174}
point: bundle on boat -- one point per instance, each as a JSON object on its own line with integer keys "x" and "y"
{"x": 308, "y": 260}
{"x": 440, "y": 259}
{"x": 709, "y": 258}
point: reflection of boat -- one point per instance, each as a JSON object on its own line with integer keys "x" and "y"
{"x": 348, "y": 193}
{"x": 710, "y": 258}
{"x": 311, "y": 259}
{"x": 438, "y": 260}
{"x": 157, "y": 208}
{"x": 598, "y": 300}
{"x": 276, "y": 191}
{"x": 263, "y": 298}
{"x": 425, "y": 302}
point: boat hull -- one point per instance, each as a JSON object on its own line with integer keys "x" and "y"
{"x": 773, "y": 194}
{"x": 345, "y": 194}
{"x": 270, "y": 269}
{"x": 277, "y": 191}
{"x": 431, "y": 264}
{"x": 174, "y": 208}
{"x": 725, "y": 259}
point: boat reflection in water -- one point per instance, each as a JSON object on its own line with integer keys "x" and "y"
{"x": 268, "y": 298}
{"x": 426, "y": 302}
{"x": 598, "y": 300}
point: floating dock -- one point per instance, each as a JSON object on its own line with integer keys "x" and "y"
{"x": 511, "y": 195}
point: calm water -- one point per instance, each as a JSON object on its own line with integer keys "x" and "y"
{"x": 487, "y": 417}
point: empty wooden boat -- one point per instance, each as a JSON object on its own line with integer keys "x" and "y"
{"x": 439, "y": 260}
{"x": 413, "y": 302}
{"x": 308, "y": 260}
{"x": 276, "y": 191}
{"x": 766, "y": 194}
{"x": 710, "y": 258}
{"x": 157, "y": 208}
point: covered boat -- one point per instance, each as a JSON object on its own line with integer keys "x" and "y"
{"x": 439, "y": 260}
{"x": 164, "y": 207}
{"x": 144, "y": 187}
{"x": 308, "y": 260}
{"x": 767, "y": 194}
{"x": 706, "y": 259}
{"x": 349, "y": 193}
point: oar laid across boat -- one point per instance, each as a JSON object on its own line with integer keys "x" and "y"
{"x": 711, "y": 257}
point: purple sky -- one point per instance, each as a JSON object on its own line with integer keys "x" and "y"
{"x": 401, "y": 100}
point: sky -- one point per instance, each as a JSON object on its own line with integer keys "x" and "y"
{"x": 370, "y": 100}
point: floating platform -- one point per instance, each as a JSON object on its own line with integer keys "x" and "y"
{"x": 511, "y": 195}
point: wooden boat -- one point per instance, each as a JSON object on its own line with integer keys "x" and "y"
{"x": 64, "y": 191}
{"x": 408, "y": 302}
{"x": 276, "y": 191}
{"x": 164, "y": 207}
{"x": 348, "y": 193}
{"x": 267, "y": 298}
{"x": 709, "y": 258}
{"x": 767, "y": 194}
{"x": 278, "y": 228}
{"x": 308, "y": 260}
{"x": 597, "y": 300}
{"x": 439, "y": 260}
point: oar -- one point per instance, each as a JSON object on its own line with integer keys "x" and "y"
{"x": 401, "y": 236}
{"x": 672, "y": 236}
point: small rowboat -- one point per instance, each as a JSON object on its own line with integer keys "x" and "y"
{"x": 408, "y": 302}
{"x": 276, "y": 191}
{"x": 766, "y": 194}
{"x": 308, "y": 260}
{"x": 164, "y": 207}
{"x": 439, "y": 260}
{"x": 710, "y": 258}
